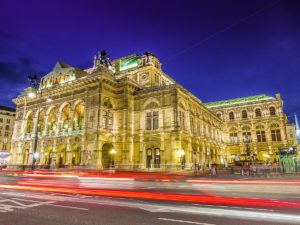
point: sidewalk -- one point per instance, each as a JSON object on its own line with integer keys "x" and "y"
{"x": 172, "y": 176}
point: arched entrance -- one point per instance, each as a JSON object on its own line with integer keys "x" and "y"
{"x": 75, "y": 155}
{"x": 153, "y": 158}
{"x": 107, "y": 156}
{"x": 25, "y": 156}
{"x": 48, "y": 155}
{"x": 61, "y": 156}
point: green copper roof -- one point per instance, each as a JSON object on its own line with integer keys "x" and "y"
{"x": 129, "y": 63}
{"x": 237, "y": 101}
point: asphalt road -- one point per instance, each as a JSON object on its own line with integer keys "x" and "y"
{"x": 34, "y": 208}
{"x": 45, "y": 208}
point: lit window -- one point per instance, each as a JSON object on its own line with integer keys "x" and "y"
{"x": 261, "y": 136}
{"x": 152, "y": 120}
{"x": 149, "y": 121}
{"x": 276, "y": 135}
{"x": 272, "y": 111}
{"x": 107, "y": 120}
{"x": 244, "y": 114}
{"x": 231, "y": 116}
{"x": 257, "y": 112}
{"x": 247, "y": 137}
{"x": 181, "y": 120}
{"x": 155, "y": 120}
{"x": 233, "y": 138}
{"x": 192, "y": 125}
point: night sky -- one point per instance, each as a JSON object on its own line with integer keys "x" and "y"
{"x": 215, "y": 49}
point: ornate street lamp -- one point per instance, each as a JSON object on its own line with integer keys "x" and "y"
{"x": 34, "y": 83}
{"x": 247, "y": 140}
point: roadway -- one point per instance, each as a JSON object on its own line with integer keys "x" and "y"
{"x": 97, "y": 200}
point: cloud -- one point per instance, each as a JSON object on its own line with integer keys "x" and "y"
{"x": 9, "y": 42}
{"x": 26, "y": 62}
{"x": 13, "y": 77}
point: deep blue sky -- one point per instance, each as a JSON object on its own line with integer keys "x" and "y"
{"x": 216, "y": 49}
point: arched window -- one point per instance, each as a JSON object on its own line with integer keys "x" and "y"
{"x": 51, "y": 122}
{"x": 65, "y": 118}
{"x": 78, "y": 123}
{"x": 246, "y": 134}
{"x": 29, "y": 124}
{"x": 41, "y": 123}
{"x": 219, "y": 115}
{"x": 257, "y": 112}
{"x": 244, "y": 114}
{"x": 260, "y": 134}
{"x": 275, "y": 132}
{"x": 233, "y": 137}
{"x": 272, "y": 111}
{"x": 231, "y": 116}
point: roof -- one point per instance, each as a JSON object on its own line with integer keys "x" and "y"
{"x": 238, "y": 101}
{"x": 6, "y": 108}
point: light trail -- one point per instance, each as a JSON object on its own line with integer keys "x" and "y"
{"x": 106, "y": 178}
{"x": 218, "y": 200}
{"x": 244, "y": 182}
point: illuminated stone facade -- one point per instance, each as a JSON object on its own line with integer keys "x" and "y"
{"x": 255, "y": 127}
{"x": 7, "y": 119}
{"x": 127, "y": 113}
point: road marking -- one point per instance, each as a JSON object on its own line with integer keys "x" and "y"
{"x": 258, "y": 216}
{"x": 51, "y": 204}
{"x": 228, "y": 207}
{"x": 9, "y": 205}
{"x": 70, "y": 207}
{"x": 185, "y": 221}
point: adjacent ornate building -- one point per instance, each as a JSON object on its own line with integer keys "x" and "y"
{"x": 255, "y": 127}
{"x": 7, "y": 119}
{"x": 126, "y": 113}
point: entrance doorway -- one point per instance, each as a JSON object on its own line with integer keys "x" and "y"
{"x": 47, "y": 157}
{"x": 76, "y": 157}
{"x": 153, "y": 158}
{"x": 61, "y": 156}
{"x": 107, "y": 156}
{"x": 25, "y": 157}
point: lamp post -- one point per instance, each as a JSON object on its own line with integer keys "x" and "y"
{"x": 247, "y": 140}
{"x": 113, "y": 152}
{"x": 33, "y": 81}
{"x": 181, "y": 157}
